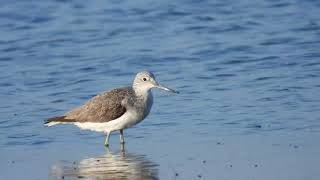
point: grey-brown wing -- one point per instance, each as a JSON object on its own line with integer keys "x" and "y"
{"x": 101, "y": 108}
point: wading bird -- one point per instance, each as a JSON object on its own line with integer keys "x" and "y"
{"x": 117, "y": 109}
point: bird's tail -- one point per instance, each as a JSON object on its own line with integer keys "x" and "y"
{"x": 57, "y": 120}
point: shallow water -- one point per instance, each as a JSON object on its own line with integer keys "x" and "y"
{"x": 248, "y": 73}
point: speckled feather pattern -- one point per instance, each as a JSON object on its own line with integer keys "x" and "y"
{"x": 104, "y": 107}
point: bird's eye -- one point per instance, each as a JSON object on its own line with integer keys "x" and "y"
{"x": 144, "y": 79}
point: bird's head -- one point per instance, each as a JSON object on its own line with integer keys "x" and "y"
{"x": 145, "y": 81}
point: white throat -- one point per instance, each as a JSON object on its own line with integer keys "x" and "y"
{"x": 141, "y": 91}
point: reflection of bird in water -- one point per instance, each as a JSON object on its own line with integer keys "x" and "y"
{"x": 109, "y": 166}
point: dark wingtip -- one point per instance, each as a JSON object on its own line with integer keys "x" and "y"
{"x": 56, "y": 119}
{"x": 46, "y": 121}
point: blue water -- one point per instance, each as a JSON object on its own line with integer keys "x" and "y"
{"x": 248, "y": 73}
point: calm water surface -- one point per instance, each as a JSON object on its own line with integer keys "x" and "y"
{"x": 248, "y": 73}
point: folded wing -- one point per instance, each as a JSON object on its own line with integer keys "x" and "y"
{"x": 101, "y": 108}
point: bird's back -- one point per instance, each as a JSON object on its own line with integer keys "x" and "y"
{"x": 102, "y": 108}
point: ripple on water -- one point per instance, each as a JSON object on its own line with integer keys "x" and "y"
{"x": 245, "y": 68}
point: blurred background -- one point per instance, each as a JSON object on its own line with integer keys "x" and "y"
{"x": 248, "y": 73}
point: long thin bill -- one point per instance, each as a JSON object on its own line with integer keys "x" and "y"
{"x": 167, "y": 89}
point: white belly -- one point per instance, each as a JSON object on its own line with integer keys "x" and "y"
{"x": 131, "y": 117}
{"x": 128, "y": 119}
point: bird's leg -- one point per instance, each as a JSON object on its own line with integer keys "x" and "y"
{"x": 121, "y": 136}
{"x": 122, "y": 150}
{"x": 106, "y": 142}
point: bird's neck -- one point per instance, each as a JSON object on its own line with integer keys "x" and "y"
{"x": 142, "y": 92}
{"x": 144, "y": 101}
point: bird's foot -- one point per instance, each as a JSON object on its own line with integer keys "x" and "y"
{"x": 106, "y": 145}
{"x": 122, "y": 142}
